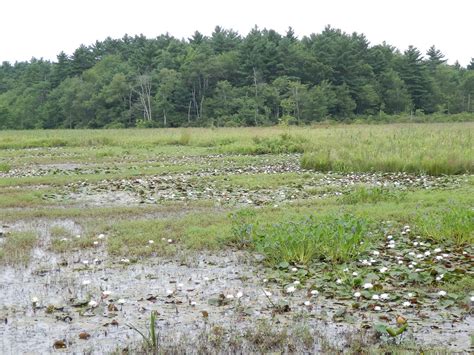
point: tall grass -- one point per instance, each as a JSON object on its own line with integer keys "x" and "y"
{"x": 454, "y": 225}
{"x": 432, "y": 149}
{"x": 435, "y": 148}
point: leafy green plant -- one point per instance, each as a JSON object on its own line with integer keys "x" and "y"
{"x": 335, "y": 238}
{"x": 242, "y": 228}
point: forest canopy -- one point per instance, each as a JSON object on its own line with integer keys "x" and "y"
{"x": 227, "y": 79}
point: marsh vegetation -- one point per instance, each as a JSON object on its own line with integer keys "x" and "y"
{"x": 325, "y": 238}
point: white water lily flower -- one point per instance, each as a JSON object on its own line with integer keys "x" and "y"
{"x": 170, "y": 240}
{"x": 290, "y": 289}
{"x": 391, "y": 246}
{"x": 34, "y": 299}
{"x": 411, "y": 253}
{"x": 239, "y": 294}
{"x": 93, "y": 304}
{"x": 314, "y": 292}
{"x": 406, "y": 304}
{"x": 373, "y": 261}
{"x": 355, "y": 273}
{"x": 442, "y": 293}
{"x": 472, "y": 298}
{"x": 389, "y": 237}
{"x": 368, "y": 285}
{"x": 445, "y": 255}
{"x": 125, "y": 261}
{"x": 415, "y": 244}
{"x": 346, "y": 270}
{"x": 85, "y": 262}
{"x": 384, "y": 296}
{"x": 265, "y": 280}
{"x": 375, "y": 297}
{"x": 357, "y": 294}
{"x": 427, "y": 253}
{"x": 376, "y": 252}
{"x": 296, "y": 282}
{"x": 307, "y": 303}
{"x": 437, "y": 250}
{"x": 229, "y": 297}
{"x": 410, "y": 294}
{"x": 193, "y": 303}
{"x": 96, "y": 242}
{"x": 294, "y": 269}
{"x": 339, "y": 281}
{"x": 410, "y": 266}
{"x": 101, "y": 236}
{"x": 419, "y": 256}
{"x": 400, "y": 262}
{"x": 383, "y": 269}
{"x": 86, "y": 282}
{"x": 366, "y": 262}
{"x": 151, "y": 241}
{"x": 377, "y": 308}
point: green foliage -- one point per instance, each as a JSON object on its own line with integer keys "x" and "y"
{"x": 263, "y": 78}
{"x": 331, "y": 238}
{"x": 5, "y": 168}
{"x": 453, "y": 224}
{"x": 364, "y": 194}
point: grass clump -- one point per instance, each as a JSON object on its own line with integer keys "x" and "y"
{"x": 16, "y": 247}
{"x": 5, "y": 168}
{"x": 280, "y": 144}
{"x": 363, "y": 194}
{"x": 454, "y": 225}
{"x": 332, "y": 238}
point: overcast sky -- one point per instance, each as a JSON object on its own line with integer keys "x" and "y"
{"x": 42, "y": 28}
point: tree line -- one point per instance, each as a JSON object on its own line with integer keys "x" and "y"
{"x": 230, "y": 80}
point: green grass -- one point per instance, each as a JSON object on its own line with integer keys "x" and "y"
{"x": 194, "y": 231}
{"x": 363, "y": 194}
{"x": 454, "y": 224}
{"x": 438, "y": 148}
{"x": 5, "y": 168}
{"x": 16, "y": 248}
{"x": 431, "y": 149}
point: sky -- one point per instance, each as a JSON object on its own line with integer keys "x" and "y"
{"x": 43, "y": 28}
